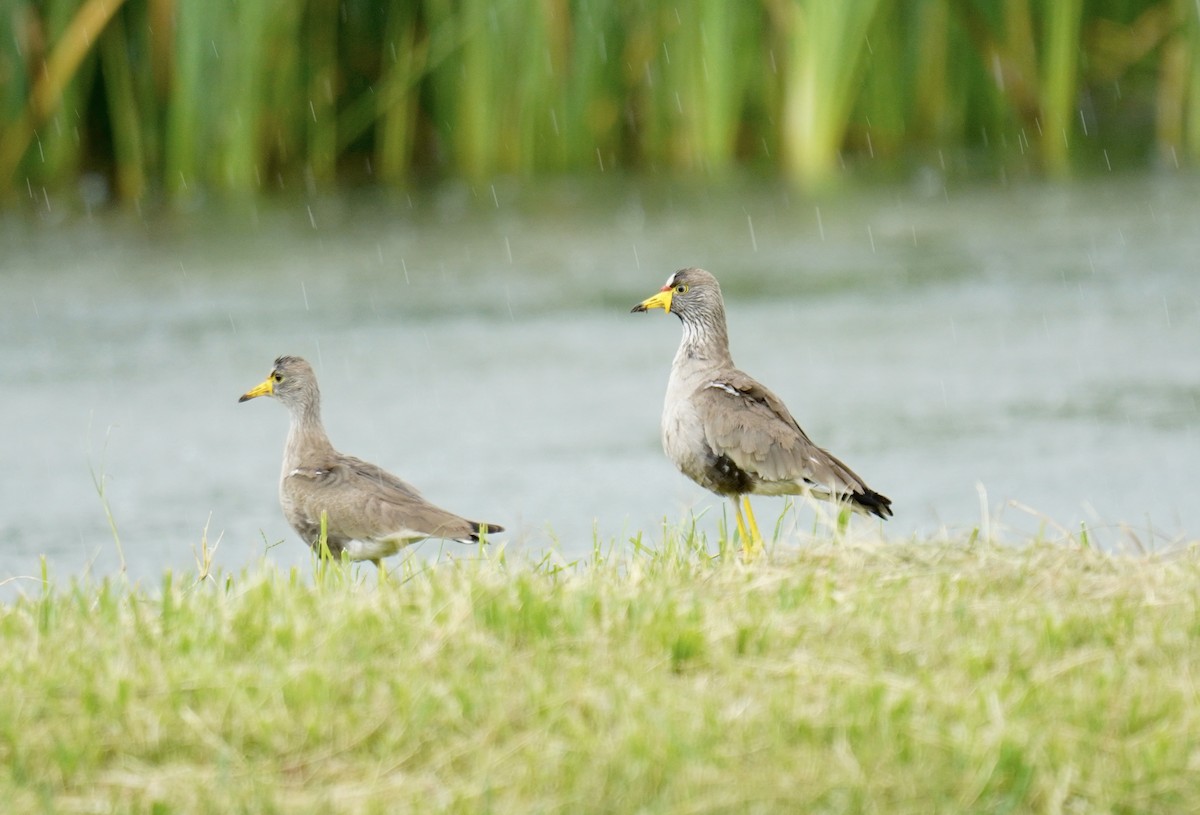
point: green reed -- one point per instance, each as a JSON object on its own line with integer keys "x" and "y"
{"x": 123, "y": 111}
{"x": 825, "y": 47}
{"x": 1059, "y": 85}
{"x": 181, "y": 97}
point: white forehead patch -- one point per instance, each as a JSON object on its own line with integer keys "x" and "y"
{"x": 671, "y": 280}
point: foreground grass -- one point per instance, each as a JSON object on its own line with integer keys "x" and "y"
{"x": 924, "y": 677}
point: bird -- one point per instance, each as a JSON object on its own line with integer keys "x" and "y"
{"x": 729, "y": 433}
{"x": 366, "y": 513}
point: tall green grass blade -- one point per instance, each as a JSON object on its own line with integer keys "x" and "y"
{"x": 825, "y": 46}
{"x": 124, "y": 121}
{"x": 321, "y": 60}
{"x": 1059, "y": 82}
{"x": 196, "y": 34}
{"x": 238, "y": 108}
{"x": 403, "y": 58}
{"x": 932, "y": 91}
{"x": 1191, "y": 101}
{"x": 880, "y": 126}
{"x": 18, "y": 30}
{"x": 586, "y": 118}
{"x": 705, "y": 69}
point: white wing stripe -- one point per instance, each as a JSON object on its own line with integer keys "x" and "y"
{"x": 725, "y": 386}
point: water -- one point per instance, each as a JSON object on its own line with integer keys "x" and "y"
{"x": 1038, "y": 341}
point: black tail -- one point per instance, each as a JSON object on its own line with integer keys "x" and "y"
{"x": 872, "y": 503}
{"x": 486, "y": 528}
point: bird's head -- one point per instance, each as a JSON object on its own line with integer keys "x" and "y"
{"x": 690, "y": 293}
{"x": 291, "y": 381}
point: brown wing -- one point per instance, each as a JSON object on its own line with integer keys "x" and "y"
{"x": 365, "y": 502}
{"x": 748, "y": 423}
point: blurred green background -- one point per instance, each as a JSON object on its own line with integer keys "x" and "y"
{"x": 247, "y": 97}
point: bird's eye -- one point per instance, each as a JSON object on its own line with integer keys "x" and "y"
{"x": 681, "y": 288}
{"x": 278, "y": 377}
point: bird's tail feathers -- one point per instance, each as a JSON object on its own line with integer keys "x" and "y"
{"x": 872, "y": 503}
{"x": 478, "y": 529}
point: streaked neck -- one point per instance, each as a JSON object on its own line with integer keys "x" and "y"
{"x": 306, "y": 436}
{"x": 705, "y": 339}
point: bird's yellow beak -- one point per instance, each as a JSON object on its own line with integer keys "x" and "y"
{"x": 265, "y": 389}
{"x": 661, "y": 300}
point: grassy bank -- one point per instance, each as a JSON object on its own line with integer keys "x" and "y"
{"x": 916, "y": 677}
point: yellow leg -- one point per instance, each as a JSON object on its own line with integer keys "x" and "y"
{"x": 758, "y": 539}
{"x": 741, "y": 522}
{"x": 751, "y": 540}
{"x": 754, "y": 544}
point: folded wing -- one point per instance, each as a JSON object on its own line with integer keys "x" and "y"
{"x": 365, "y": 502}
{"x": 749, "y": 424}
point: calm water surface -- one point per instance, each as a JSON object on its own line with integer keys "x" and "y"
{"x": 1040, "y": 342}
